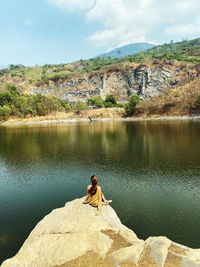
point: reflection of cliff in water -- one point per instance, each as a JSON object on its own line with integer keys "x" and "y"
{"x": 70, "y": 142}
{"x": 166, "y": 143}
{"x": 135, "y": 143}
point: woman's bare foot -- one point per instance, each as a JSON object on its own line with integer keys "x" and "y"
{"x": 107, "y": 202}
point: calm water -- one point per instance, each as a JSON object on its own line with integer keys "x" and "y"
{"x": 151, "y": 171}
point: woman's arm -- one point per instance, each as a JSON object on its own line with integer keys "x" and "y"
{"x": 106, "y": 202}
{"x": 103, "y": 197}
{"x": 88, "y": 188}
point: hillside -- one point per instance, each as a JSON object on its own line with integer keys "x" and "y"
{"x": 145, "y": 80}
{"x": 186, "y": 51}
{"x": 160, "y": 76}
{"x": 127, "y": 50}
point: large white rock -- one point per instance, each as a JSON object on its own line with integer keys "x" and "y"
{"x": 80, "y": 235}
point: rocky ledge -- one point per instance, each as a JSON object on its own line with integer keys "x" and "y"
{"x": 79, "y": 235}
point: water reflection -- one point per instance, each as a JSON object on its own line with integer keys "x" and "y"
{"x": 153, "y": 141}
{"x": 150, "y": 169}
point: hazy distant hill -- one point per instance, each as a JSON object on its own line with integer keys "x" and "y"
{"x": 127, "y": 50}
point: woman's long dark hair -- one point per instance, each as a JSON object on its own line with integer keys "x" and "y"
{"x": 93, "y": 188}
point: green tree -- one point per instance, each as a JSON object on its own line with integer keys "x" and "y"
{"x": 130, "y": 107}
{"x": 4, "y": 112}
{"x": 27, "y": 104}
{"x": 42, "y": 109}
{"x": 111, "y": 99}
{"x": 5, "y": 98}
{"x": 90, "y": 102}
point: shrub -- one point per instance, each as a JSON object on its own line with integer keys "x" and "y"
{"x": 20, "y": 115}
{"x": 96, "y": 101}
{"x": 198, "y": 99}
{"x": 65, "y": 104}
{"x": 14, "y": 110}
{"x": 79, "y": 106}
{"x": 13, "y": 89}
{"x": 130, "y": 107}
{"x": 108, "y": 104}
{"x": 120, "y": 105}
{"x": 110, "y": 101}
{"x": 187, "y": 107}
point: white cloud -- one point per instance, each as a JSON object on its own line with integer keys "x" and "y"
{"x": 72, "y": 4}
{"x": 118, "y": 35}
{"x": 184, "y": 29}
{"x": 127, "y": 21}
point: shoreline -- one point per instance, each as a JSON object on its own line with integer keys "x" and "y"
{"x": 76, "y": 120}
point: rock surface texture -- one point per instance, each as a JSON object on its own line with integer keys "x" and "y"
{"x": 79, "y": 235}
{"x": 146, "y": 81}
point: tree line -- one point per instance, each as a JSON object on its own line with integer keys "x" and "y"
{"x": 15, "y": 103}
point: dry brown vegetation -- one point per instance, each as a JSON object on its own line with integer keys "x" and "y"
{"x": 94, "y": 114}
{"x": 184, "y": 100}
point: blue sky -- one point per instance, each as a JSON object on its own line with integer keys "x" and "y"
{"x": 59, "y": 31}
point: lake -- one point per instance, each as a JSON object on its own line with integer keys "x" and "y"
{"x": 150, "y": 169}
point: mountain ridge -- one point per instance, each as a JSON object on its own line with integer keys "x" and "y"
{"x": 127, "y": 50}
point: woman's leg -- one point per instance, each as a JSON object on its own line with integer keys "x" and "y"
{"x": 106, "y": 202}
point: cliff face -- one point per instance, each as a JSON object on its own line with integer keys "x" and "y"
{"x": 146, "y": 81}
{"x": 79, "y": 235}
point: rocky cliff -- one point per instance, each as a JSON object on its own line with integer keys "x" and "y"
{"x": 79, "y": 235}
{"x": 144, "y": 80}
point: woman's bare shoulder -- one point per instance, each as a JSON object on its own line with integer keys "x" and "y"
{"x": 89, "y": 186}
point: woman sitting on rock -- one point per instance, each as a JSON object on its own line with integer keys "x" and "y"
{"x": 94, "y": 195}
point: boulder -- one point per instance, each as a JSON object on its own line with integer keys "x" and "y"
{"x": 80, "y": 235}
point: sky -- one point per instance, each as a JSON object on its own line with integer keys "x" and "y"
{"x": 37, "y": 32}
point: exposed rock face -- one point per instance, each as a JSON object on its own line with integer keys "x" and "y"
{"x": 79, "y": 235}
{"x": 123, "y": 82}
{"x": 146, "y": 81}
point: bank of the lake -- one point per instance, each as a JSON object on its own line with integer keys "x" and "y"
{"x": 100, "y": 114}
{"x": 50, "y": 120}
